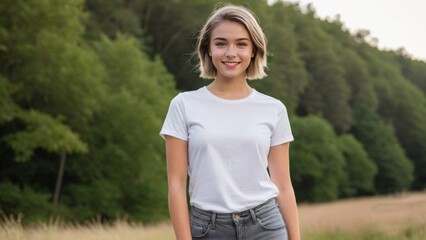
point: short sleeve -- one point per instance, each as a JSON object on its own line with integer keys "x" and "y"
{"x": 282, "y": 131}
{"x": 175, "y": 121}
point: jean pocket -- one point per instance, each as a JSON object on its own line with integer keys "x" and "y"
{"x": 199, "y": 227}
{"x": 272, "y": 220}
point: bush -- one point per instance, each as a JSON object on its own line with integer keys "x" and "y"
{"x": 33, "y": 206}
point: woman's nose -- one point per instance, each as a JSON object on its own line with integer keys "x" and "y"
{"x": 230, "y": 51}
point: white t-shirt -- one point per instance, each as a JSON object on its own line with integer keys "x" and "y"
{"x": 228, "y": 146}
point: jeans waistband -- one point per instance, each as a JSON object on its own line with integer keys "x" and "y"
{"x": 233, "y": 217}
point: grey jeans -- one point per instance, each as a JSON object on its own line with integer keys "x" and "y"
{"x": 263, "y": 222}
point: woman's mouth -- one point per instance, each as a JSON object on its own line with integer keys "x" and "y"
{"x": 231, "y": 64}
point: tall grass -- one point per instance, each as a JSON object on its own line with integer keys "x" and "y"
{"x": 411, "y": 233}
{"x": 377, "y": 218}
{"x": 12, "y": 229}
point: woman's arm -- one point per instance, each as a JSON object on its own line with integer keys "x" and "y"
{"x": 279, "y": 168}
{"x": 177, "y": 165}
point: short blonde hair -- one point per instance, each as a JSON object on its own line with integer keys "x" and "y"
{"x": 239, "y": 14}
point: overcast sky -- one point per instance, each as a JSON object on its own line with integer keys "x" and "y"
{"x": 396, "y": 23}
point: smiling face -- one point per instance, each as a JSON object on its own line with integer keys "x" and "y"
{"x": 231, "y": 50}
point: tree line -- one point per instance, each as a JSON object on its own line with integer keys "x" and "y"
{"x": 85, "y": 86}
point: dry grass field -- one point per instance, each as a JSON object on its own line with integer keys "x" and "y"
{"x": 393, "y": 216}
{"x": 390, "y": 214}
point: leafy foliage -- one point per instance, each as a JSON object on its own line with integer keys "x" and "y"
{"x": 359, "y": 168}
{"x": 32, "y": 204}
{"x": 43, "y": 132}
{"x": 317, "y": 162}
{"x": 93, "y": 79}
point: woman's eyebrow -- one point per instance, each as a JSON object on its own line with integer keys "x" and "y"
{"x": 224, "y": 39}
{"x": 219, "y": 39}
{"x": 243, "y": 39}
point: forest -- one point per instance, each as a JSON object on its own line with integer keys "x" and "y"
{"x": 85, "y": 86}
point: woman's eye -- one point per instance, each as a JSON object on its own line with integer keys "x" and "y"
{"x": 220, "y": 44}
{"x": 242, "y": 44}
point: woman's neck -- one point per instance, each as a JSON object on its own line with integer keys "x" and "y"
{"x": 235, "y": 89}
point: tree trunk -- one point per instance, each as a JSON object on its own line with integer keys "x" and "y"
{"x": 60, "y": 177}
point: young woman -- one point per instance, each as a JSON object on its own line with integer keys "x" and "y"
{"x": 226, "y": 136}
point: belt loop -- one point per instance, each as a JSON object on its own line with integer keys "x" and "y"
{"x": 213, "y": 220}
{"x": 253, "y": 216}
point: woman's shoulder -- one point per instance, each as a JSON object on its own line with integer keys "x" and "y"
{"x": 191, "y": 93}
{"x": 266, "y": 99}
{"x": 186, "y": 96}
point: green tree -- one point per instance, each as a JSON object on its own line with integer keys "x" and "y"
{"x": 32, "y": 206}
{"x": 402, "y": 105}
{"x": 395, "y": 170}
{"x": 359, "y": 168}
{"x": 113, "y": 17}
{"x": 327, "y": 93}
{"x": 55, "y": 75}
{"x": 126, "y": 161}
{"x": 317, "y": 164}
{"x": 99, "y": 83}
{"x": 8, "y": 108}
{"x": 287, "y": 76}
{"x": 413, "y": 70}
{"x": 371, "y": 76}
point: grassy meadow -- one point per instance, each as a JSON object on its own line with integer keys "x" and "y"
{"x": 400, "y": 217}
